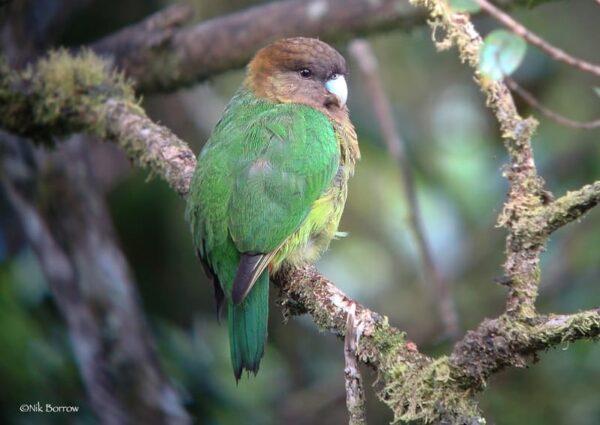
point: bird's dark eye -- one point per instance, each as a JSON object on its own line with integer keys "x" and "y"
{"x": 305, "y": 73}
{"x": 333, "y": 76}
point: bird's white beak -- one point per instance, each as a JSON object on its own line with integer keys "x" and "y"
{"x": 338, "y": 87}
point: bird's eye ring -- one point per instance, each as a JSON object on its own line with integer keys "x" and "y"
{"x": 333, "y": 76}
{"x": 305, "y": 73}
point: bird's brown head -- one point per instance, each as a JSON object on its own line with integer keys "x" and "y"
{"x": 301, "y": 70}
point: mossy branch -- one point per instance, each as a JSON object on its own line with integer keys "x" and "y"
{"x": 511, "y": 342}
{"x": 528, "y": 213}
{"x": 63, "y": 94}
{"x": 566, "y": 209}
{"x": 525, "y": 186}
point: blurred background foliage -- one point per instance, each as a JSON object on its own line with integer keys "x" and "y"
{"x": 457, "y": 158}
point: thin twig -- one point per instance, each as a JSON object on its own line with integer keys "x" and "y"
{"x": 365, "y": 58}
{"x": 555, "y": 52}
{"x": 554, "y": 116}
{"x": 355, "y": 394}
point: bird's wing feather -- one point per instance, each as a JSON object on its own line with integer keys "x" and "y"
{"x": 291, "y": 158}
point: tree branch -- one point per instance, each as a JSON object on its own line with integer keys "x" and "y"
{"x": 146, "y": 50}
{"x": 503, "y": 342}
{"x": 162, "y": 58}
{"x": 150, "y": 145}
{"x": 566, "y": 209}
{"x": 68, "y": 94}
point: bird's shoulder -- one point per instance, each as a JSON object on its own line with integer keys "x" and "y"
{"x": 250, "y": 125}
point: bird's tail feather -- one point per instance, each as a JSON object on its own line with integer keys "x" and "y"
{"x": 247, "y": 323}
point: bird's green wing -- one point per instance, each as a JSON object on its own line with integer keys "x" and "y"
{"x": 292, "y": 158}
{"x": 278, "y": 182}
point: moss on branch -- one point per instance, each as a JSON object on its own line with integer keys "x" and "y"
{"x": 566, "y": 209}
{"x": 64, "y": 94}
{"x": 510, "y": 341}
{"x": 414, "y": 386}
{"x": 60, "y": 94}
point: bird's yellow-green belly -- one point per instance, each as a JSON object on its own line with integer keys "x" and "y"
{"x": 316, "y": 232}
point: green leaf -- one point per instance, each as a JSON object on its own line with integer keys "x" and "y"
{"x": 501, "y": 54}
{"x": 597, "y": 90}
{"x": 466, "y": 6}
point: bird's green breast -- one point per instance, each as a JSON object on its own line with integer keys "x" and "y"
{"x": 320, "y": 226}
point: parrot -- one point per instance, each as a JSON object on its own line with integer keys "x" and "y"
{"x": 270, "y": 183}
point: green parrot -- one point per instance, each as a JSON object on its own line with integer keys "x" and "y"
{"x": 271, "y": 182}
